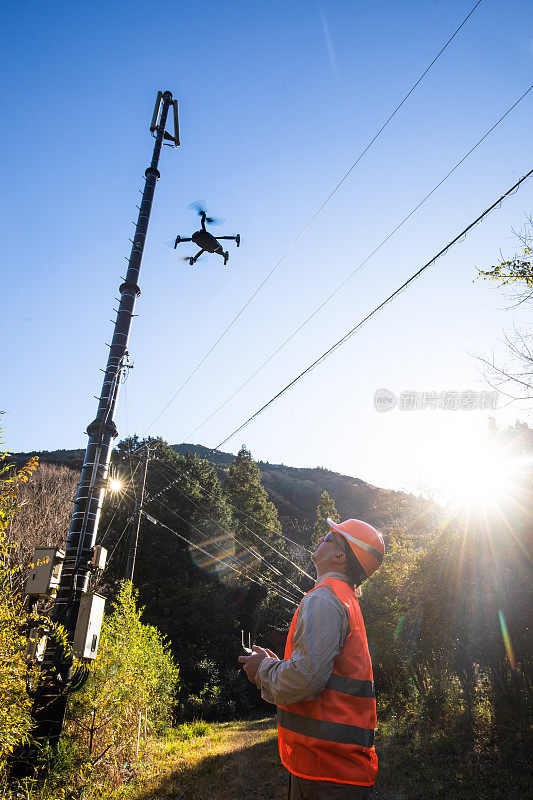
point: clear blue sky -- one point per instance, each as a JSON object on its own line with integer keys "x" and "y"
{"x": 276, "y": 101}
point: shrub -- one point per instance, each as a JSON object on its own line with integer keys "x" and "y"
{"x": 15, "y": 720}
{"x": 131, "y": 685}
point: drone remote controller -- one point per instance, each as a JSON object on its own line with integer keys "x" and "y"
{"x": 246, "y": 650}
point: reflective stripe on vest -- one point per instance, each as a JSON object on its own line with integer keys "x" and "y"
{"x": 353, "y": 686}
{"x": 328, "y": 731}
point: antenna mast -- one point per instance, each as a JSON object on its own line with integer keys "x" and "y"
{"x": 56, "y": 677}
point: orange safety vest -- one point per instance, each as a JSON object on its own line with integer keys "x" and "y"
{"x": 331, "y": 738}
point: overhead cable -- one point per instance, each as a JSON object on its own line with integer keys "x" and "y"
{"x": 155, "y": 521}
{"x": 254, "y": 519}
{"x": 243, "y": 544}
{"x": 385, "y": 302}
{"x": 239, "y": 541}
{"x": 315, "y": 215}
{"x": 355, "y": 271}
{"x": 260, "y": 580}
{"x": 242, "y": 564}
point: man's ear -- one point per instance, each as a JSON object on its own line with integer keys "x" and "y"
{"x": 340, "y": 557}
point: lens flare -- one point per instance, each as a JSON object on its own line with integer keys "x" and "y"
{"x": 399, "y": 626}
{"x": 114, "y": 485}
{"x": 507, "y": 640}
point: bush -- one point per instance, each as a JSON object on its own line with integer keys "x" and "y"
{"x": 131, "y": 685}
{"x": 15, "y": 720}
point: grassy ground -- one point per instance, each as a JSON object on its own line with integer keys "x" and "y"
{"x": 208, "y": 762}
{"x": 240, "y": 761}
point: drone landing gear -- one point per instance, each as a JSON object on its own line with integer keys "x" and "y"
{"x": 193, "y": 259}
{"x": 226, "y": 256}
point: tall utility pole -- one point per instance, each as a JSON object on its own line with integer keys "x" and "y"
{"x": 56, "y": 678}
{"x": 134, "y": 534}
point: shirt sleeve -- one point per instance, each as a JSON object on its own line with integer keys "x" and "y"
{"x": 321, "y": 629}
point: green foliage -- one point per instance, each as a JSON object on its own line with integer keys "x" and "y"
{"x": 189, "y": 730}
{"x": 385, "y": 608}
{"x": 131, "y": 686}
{"x": 15, "y": 721}
{"x": 517, "y": 270}
{"x": 326, "y": 508}
{"x": 248, "y": 498}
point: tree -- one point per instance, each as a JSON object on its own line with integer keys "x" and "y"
{"x": 326, "y": 508}
{"x": 43, "y": 516}
{"x": 514, "y": 377}
{"x": 518, "y": 270}
{"x": 15, "y": 720}
{"x": 183, "y": 589}
{"x": 251, "y": 508}
{"x": 255, "y": 522}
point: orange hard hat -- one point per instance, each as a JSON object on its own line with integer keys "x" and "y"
{"x": 365, "y": 542}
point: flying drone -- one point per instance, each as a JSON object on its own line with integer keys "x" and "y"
{"x": 205, "y": 240}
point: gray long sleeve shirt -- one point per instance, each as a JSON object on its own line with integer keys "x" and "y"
{"x": 321, "y": 629}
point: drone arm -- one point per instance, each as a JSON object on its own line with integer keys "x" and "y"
{"x": 180, "y": 239}
{"x": 226, "y": 237}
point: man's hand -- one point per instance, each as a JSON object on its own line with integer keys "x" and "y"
{"x": 250, "y": 664}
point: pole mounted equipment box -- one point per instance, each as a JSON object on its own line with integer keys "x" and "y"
{"x": 99, "y": 559}
{"x": 88, "y": 626}
{"x": 36, "y": 645}
{"x": 45, "y": 571}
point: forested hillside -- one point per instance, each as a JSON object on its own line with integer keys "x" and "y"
{"x": 224, "y": 546}
{"x": 295, "y": 491}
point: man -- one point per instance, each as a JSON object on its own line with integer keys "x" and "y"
{"x": 324, "y": 686}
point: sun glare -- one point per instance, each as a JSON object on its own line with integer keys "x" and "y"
{"x": 477, "y": 477}
{"x": 114, "y": 485}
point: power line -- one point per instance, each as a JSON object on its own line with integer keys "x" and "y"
{"x": 155, "y": 521}
{"x": 264, "y": 582}
{"x": 360, "y": 324}
{"x": 274, "y": 549}
{"x": 256, "y": 554}
{"x": 254, "y": 519}
{"x": 315, "y": 215}
{"x": 357, "y": 269}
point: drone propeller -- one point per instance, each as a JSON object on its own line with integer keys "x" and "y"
{"x": 199, "y": 207}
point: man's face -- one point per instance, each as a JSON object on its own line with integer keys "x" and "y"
{"x": 328, "y": 550}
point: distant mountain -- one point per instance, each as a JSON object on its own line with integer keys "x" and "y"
{"x": 295, "y": 491}
{"x": 71, "y": 458}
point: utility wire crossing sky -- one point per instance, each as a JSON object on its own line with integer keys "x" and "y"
{"x": 274, "y": 101}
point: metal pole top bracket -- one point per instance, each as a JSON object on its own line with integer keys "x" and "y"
{"x": 156, "y": 117}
